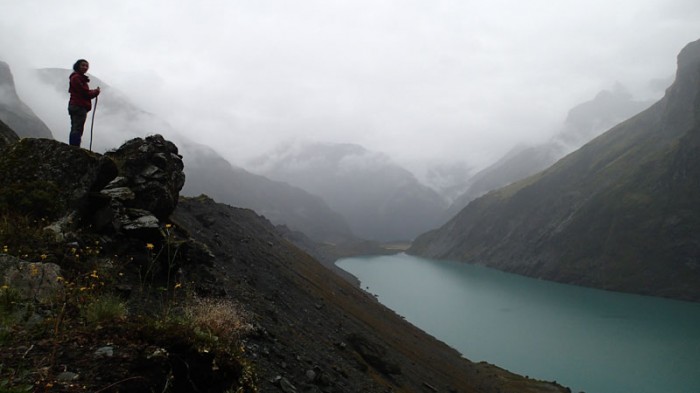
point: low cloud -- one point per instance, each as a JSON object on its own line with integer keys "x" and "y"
{"x": 423, "y": 81}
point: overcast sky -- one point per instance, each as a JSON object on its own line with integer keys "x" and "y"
{"x": 422, "y": 80}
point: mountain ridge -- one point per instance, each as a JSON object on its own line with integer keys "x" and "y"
{"x": 583, "y": 122}
{"x": 615, "y": 214}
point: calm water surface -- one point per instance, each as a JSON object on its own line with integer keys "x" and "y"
{"x": 589, "y": 340}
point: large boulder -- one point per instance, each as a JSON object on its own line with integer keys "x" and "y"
{"x": 130, "y": 190}
{"x": 153, "y": 170}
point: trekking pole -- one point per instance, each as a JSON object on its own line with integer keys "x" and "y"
{"x": 92, "y": 124}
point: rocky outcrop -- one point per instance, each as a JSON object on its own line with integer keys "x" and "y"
{"x": 47, "y": 178}
{"x": 151, "y": 175}
{"x": 131, "y": 189}
{"x": 620, "y": 213}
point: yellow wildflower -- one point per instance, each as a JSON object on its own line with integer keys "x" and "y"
{"x": 178, "y": 285}
{"x": 149, "y": 246}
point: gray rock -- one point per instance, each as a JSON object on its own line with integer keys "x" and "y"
{"x": 119, "y": 181}
{"x": 287, "y": 386}
{"x": 106, "y": 351}
{"x": 58, "y": 229}
{"x": 147, "y": 221}
{"x": 310, "y": 375}
{"x": 120, "y": 193}
{"x": 154, "y": 171}
{"x": 67, "y": 376}
{"x": 33, "y": 280}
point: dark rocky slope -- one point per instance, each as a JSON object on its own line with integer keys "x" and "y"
{"x": 306, "y": 329}
{"x": 315, "y": 320}
{"x": 620, "y": 213}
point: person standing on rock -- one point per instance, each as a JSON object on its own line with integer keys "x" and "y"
{"x": 80, "y": 100}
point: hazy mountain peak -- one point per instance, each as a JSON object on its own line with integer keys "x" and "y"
{"x": 8, "y": 92}
{"x": 15, "y": 113}
{"x": 378, "y": 198}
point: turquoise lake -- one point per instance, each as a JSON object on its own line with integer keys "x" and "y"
{"x": 589, "y": 340}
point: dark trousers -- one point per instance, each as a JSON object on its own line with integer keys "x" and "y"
{"x": 77, "y": 123}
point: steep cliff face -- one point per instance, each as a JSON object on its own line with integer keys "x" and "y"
{"x": 616, "y": 214}
{"x": 15, "y": 113}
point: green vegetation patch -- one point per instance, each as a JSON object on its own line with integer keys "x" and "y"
{"x": 38, "y": 198}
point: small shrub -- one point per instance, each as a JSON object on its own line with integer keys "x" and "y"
{"x": 104, "y": 308}
{"x": 218, "y": 317}
{"x": 9, "y": 298}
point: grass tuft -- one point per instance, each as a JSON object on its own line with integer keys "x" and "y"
{"x": 103, "y": 309}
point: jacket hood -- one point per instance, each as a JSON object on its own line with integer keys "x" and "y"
{"x": 82, "y": 75}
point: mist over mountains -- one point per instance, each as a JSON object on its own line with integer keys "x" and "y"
{"x": 347, "y": 190}
{"x": 331, "y": 192}
{"x": 207, "y": 172}
{"x": 583, "y": 123}
{"x": 620, "y": 213}
{"x": 379, "y": 199}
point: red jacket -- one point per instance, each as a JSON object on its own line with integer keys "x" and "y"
{"x": 80, "y": 93}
